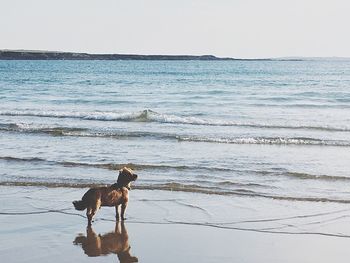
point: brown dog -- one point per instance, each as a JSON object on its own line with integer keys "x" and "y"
{"x": 114, "y": 195}
{"x": 116, "y": 242}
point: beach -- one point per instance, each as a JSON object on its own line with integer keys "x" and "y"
{"x": 40, "y": 225}
{"x": 237, "y": 161}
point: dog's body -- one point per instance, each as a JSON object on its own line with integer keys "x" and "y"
{"x": 114, "y": 195}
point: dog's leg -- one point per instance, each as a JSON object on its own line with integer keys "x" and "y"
{"x": 117, "y": 230}
{"x": 89, "y": 215}
{"x": 117, "y": 213}
{"x": 92, "y": 211}
{"x": 124, "y": 205}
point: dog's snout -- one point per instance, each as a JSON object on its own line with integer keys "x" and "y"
{"x": 135, "y": 176}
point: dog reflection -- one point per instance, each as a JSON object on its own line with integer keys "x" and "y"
{"x": 114, "y": 242}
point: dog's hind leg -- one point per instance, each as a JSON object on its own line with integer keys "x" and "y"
{"x": 89, "y": 215}
{"x": 91, "y": 211}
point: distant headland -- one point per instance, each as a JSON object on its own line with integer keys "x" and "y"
{"x": 7, "y": 54}
{"x": 53, "y": 55}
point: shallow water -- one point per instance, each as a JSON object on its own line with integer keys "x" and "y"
{"x": 263, "y": 129}
{"x": 164, "y": 226}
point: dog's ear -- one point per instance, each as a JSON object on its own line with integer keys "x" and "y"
{"x": 123, "y": 170}
{"x": 127, "y": 170}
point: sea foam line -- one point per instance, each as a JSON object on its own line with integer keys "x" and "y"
{"x": 269, "y": 140}
{"x": 152, "y": 116}
{"x": 84, "y": 132}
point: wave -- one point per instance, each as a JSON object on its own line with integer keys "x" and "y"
{"x": 113, "y": 166}
{"x": 315, "y": 177}
{"x": 17, "y": 159}
{"x": 302, "y": 105}
{"x": 152, "y": 116}
{"x": 303, "y": 176}
{"x": 179, "y": 187}
{"x": 269, "y": 140}
{"x": 84, "y": 132}
{"x": 137, "y": 116}
{"x": 180, "y": 168}
{"x": 80, "y": 132}
{"x": 55, "y": 131}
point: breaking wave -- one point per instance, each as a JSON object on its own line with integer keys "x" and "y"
{"x": 152, "y": 116}
{"x": 84, "y": 132}
{"x": 269, "y": 140}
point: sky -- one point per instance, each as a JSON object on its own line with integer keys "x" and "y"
{"x": 225, "y": 28}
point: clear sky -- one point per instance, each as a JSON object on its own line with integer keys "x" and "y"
{"x": 234, "y": 28}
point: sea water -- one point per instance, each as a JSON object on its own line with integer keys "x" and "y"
{"x": 277, "y": 130}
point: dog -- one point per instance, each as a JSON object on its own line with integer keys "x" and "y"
{"x": 116, "y": 242}
{"x": 114, "y": 195}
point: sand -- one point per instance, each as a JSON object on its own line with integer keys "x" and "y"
{"x": 40, "y": 225}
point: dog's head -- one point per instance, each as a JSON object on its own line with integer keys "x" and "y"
{"x": 126, "y": 176}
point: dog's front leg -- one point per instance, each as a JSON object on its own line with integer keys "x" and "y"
{"x": 117, "y": 212}
{"x": 124, "y": 205}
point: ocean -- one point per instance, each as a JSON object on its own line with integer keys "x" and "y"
{"x": 274, "y": 130}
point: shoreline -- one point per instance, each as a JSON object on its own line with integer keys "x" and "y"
{"x": 41, "y": 224}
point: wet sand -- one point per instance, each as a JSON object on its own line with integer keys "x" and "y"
{"x": 40, "y": 225}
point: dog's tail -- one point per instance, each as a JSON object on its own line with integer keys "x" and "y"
{"x": 79, "y": 205}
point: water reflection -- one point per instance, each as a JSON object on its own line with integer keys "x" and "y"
{"x": 116, "y": 242}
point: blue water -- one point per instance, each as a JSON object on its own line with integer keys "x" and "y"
{"x": 264, "y": 129}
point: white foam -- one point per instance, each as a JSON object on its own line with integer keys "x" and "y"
{"x": 272, "y": 141}
{"x": 152, "y": 116}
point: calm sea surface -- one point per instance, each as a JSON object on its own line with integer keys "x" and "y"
{"x": 261, "y": 129}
